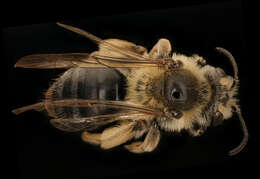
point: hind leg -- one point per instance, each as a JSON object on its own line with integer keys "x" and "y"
{"x": 149, "y": 144}
{"x": 125, "y": 131}
{"x": 111, "y": 137}
{"x": 115, "y": 136}
{"x": 92, "y": 138}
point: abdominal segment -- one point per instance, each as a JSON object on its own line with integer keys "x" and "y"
{"x": 83, "y": 83}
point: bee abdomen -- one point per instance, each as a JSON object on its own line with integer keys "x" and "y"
{"x": 83, "y": 83}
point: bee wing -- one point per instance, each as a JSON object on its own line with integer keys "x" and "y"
{"x": 90, "y": 123}
{"x": 131, "y": 111}
{"x": 114, "y": 53}
{"x": 70, "y": 60}
{"x": 119, "y": 47}
{"x": 47, "y": 104}
{"x": 107, "y": 103}
{"x": 49, "y": 61}
{"x": 123, "y": 62}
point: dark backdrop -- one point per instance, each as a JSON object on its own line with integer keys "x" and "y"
{"x": 42, "y": 151}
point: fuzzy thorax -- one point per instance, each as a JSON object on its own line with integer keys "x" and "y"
{"x": 146, "y": 87}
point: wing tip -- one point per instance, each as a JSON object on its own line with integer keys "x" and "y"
{"x": 19, "y": 65}
{"x": 63, "y": 25}
{"x": 16, "y": 111}
{"x": 22, "y": 64}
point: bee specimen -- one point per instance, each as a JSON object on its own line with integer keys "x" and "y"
{"x": 164, "y": 91}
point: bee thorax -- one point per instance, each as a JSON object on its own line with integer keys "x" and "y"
{"x": 144, "y": 87}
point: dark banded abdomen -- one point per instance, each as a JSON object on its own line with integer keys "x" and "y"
{"x": 84, "y": 83}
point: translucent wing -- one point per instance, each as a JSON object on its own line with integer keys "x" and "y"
{"x": 90, "y": 103}
{"x": 108, "y": 103}
{"x": 117, "y": 47}
{"x": 131, "y": 111}
{"x": 90, "y": 123}
{"x": 48, "y": 61}
{"x": 70, "y": 60}
{"x": 114, "y": 53}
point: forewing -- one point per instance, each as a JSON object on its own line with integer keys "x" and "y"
{"x": 107, "y": 103}
{"x": 92, "y": 122}
{"x": 113, "y": 53}
{"x": 112, "y": 45}
{"x": 70, "y": 60}
{"x": 131, "y": 111}
{"x": 123, "y": 62}
{"x": 49, "y": 61}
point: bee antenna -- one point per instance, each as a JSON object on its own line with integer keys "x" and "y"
{"x": 245, "y": 131}
{"x": 243, "y": 143}
{"x": 231, "y": 59}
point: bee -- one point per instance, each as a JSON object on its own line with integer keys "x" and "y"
{"x": 164, "y": 90}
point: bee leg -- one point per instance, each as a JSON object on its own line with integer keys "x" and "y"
{"x": 117, "y": 135}
{"x": 149, "y": 144}
{"x": 92, "y": 138}
{"x": 161, "y": 49}
{"x": 196, "y": 133}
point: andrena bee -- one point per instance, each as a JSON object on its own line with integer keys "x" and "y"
{"x": 163, "y": 91}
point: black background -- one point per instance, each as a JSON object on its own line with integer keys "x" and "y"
{"x": 42, "y": 151}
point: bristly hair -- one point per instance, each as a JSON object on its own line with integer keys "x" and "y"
{"x": 143, "y": 87}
